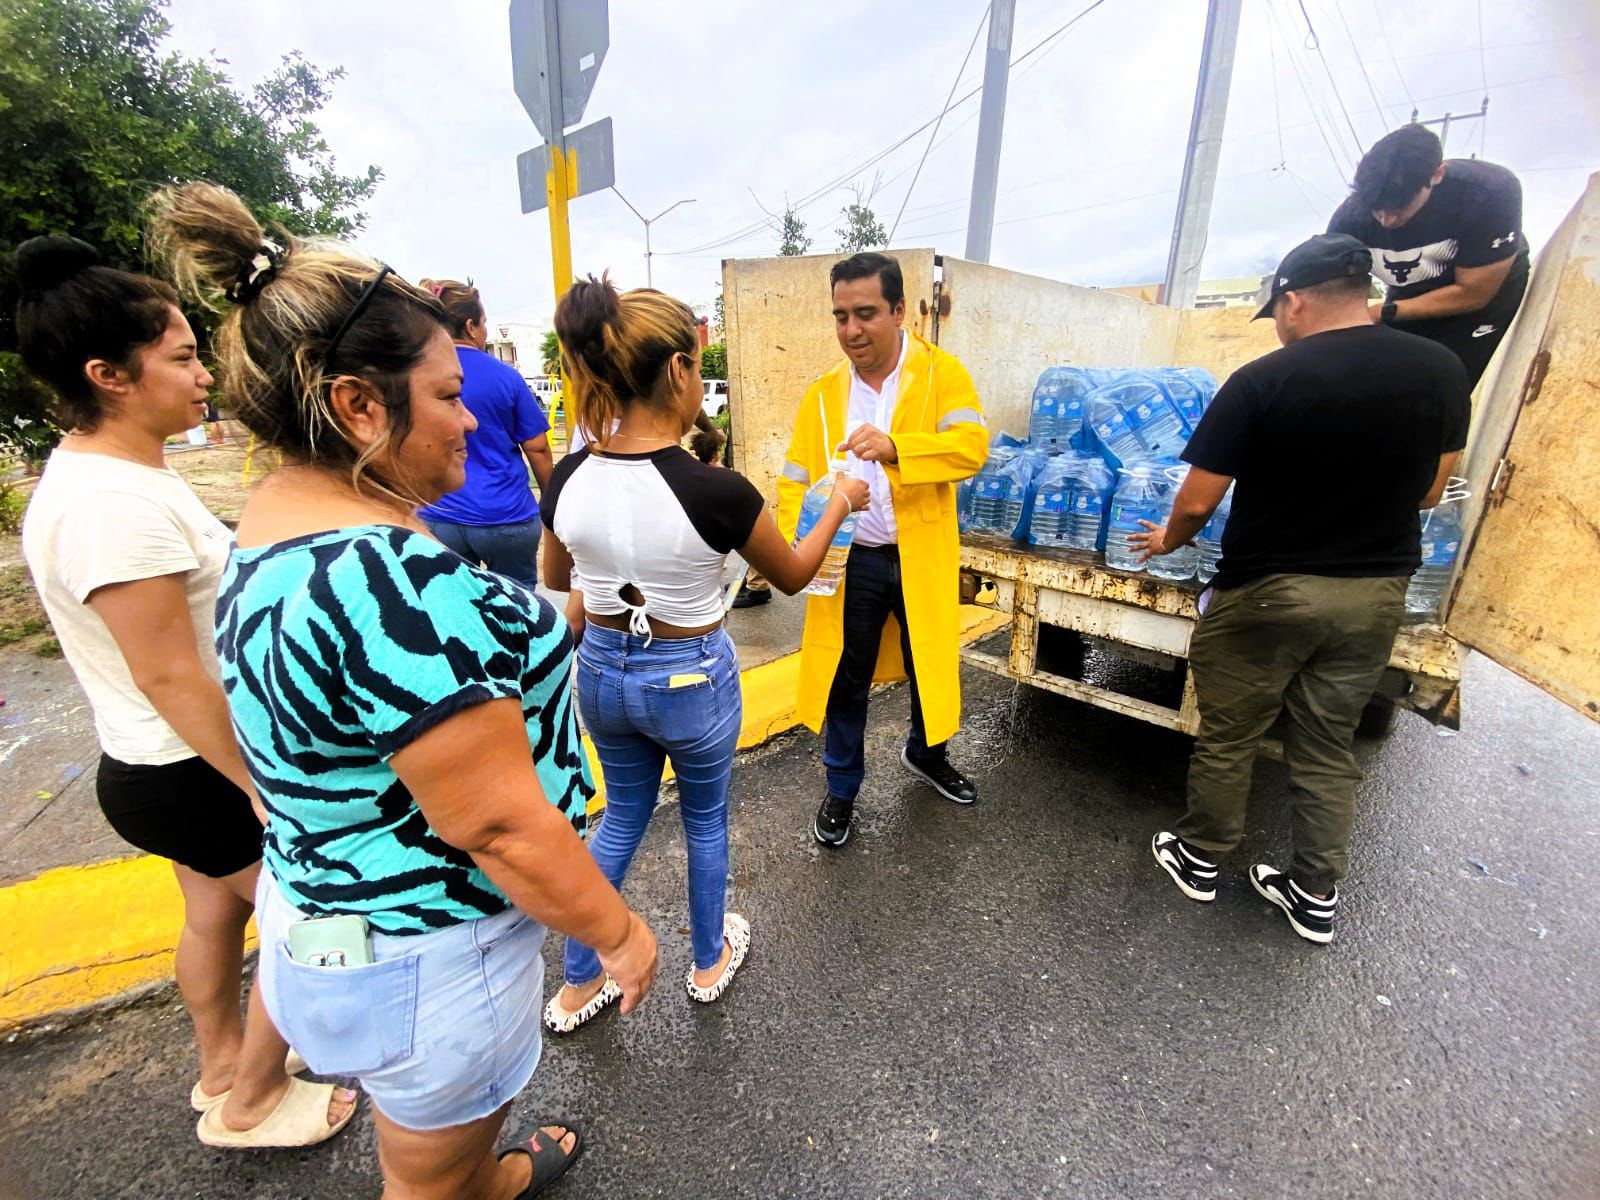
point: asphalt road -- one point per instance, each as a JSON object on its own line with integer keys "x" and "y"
{"x": 1012, "y": 1000}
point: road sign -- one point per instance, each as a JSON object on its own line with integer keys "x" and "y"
{"x": 581, "y": 32}
{"x": 591, "y": 166}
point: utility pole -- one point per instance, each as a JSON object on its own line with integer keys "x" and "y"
{"x": 649, "y": 278}
{"x": 1449, "y": 119}
{"x": 991, "y": 124}
{"x": 1200, "y": 159}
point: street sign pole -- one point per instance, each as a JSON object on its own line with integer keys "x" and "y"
{"x": 558, "y": 187}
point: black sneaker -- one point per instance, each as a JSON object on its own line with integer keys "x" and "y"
{"x": 1196, "y": 878}
{"x": 832, "y": 826}
{"x": 751, "y": 597}
{"x": 1311, "y": 918}
{"x": 946, "y": 780}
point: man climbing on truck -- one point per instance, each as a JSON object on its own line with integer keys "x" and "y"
{"x": 1332, "y": 444}
{"x": 1446, "y": 237}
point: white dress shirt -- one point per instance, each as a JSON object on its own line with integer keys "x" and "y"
{"x": 875, "y": 526}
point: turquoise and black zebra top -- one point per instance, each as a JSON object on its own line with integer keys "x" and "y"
{"x": 338, "y": 649}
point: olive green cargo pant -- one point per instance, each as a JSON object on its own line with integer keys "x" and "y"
{"x": 1314, "y": 647}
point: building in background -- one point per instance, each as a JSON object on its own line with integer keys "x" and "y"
{"x": 1246, "y": 291}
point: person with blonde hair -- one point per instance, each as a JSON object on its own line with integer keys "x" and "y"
{"x": 404, "y": 714}
{"x": 493, "y": 518}
{"x": 649, "y": 527}
{"x": 127, "y": 561}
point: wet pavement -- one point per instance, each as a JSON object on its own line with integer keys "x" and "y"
{"x": 1011, "y": 1000}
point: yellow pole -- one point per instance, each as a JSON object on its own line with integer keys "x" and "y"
{"x": 559, "y": 185}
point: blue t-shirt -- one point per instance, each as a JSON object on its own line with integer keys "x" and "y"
{"x": 497, "y": 490}
{"x": 338, "y": 650}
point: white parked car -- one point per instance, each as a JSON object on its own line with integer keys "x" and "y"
{"x": 716, "y": 396}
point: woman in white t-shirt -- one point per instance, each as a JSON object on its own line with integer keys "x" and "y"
{"x": 127, "y": 561}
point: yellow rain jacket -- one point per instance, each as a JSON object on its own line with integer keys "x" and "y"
{"x": 939, "y": 434}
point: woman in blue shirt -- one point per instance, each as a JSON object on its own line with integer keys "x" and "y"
{"x": 493, "y": 518}
{"x": 405, "y": 716}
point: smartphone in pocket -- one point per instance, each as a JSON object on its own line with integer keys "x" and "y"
{"x": 342, "y": 941}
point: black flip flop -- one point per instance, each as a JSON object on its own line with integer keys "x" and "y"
{"x": 550, "y": 1162}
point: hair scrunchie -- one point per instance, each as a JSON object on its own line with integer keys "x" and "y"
{"x": 257, "y": 273}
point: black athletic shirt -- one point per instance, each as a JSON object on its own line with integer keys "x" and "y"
{"x": 1471, "y": 219}
{"x": 1332, "y": 441}
{"x": 662, "y": 521}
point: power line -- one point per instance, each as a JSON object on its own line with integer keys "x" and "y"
{"x": 1355, "y": 48}
{"x": 1305, "y": 90}
{"x": 812, "y": 197}
{"x": 1383, "y": 28}
{"x": 954, "y": 83}
{"x": 1315, "y": 43}
{"x": 1483, "y": 76}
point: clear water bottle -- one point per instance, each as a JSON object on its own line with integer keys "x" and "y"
{"x": 1091, "y": 498}
{"x": 1208, "y": 543}
{"x": 828, "y": 576}
{"x": 1044, "y": 421}
{"x": 986, "y": 512}
{"x": 1180, "y": 563}
{"x": 1185, "y": 395}
{"x": 1441, "y": 544}
{"x": 1140, "y": 496}
{"x": 1161, "y": 429}
{"x": 1114, "y": 428}
{"x": 1047, "y": 526}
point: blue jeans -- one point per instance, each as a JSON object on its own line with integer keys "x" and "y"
{"x": 637, "y": 721}
{"x": 510, "y": 550}
{"x": 873, "y": 589}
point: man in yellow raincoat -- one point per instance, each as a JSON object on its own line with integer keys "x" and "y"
{"x": 905, "y": 417}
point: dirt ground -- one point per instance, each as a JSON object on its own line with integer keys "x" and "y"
{"x": 218, "y": 474}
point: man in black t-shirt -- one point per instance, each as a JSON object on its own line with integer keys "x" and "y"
{"x": 1332, "y": 445}
{"x": 1446, "y": 237}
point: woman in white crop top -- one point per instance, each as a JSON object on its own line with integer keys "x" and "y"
{"x": 648, "y": 527}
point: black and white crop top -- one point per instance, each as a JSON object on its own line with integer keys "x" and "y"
{"x": 663, "y": 521}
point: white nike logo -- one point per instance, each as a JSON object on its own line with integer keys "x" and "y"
{"x": 1483, "y": 331}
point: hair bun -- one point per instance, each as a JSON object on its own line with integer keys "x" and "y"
{"x": 48, "y": 262}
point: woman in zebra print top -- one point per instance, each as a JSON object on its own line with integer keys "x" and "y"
{"x": 404, "y": 715}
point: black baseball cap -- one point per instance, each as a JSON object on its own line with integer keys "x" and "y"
{"x": 1317, "y": 260}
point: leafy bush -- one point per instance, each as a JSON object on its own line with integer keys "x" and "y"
{"x": 714, "y": 361}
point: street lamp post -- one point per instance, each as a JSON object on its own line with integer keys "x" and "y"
{"x": 649, "y": 277}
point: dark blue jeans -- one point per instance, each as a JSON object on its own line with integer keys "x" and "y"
{"x": 872, "y": 590}
{"x": 509, "y": 550}
{"x": 637, "y": 720}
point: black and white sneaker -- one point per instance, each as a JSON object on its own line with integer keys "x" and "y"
{"x": 832, "y": 824}
{"x": 1311, "y": 918}
{"x": 1196, "y": 878}
{"x": 946, "y": 780}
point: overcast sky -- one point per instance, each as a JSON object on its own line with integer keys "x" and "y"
{"x": 729, "y": 102}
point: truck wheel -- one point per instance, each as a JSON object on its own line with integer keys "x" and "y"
{"x": 1378, "y": 718}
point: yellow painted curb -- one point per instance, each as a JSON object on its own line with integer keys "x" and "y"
{"x": 74, "y": 936}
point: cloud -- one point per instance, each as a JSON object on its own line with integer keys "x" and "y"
{"x": 713, "y": 100}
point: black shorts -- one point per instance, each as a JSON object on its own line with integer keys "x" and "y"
{"x": 187, "y": 811}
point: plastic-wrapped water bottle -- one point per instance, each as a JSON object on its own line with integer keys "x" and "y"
{"x": 1441, "y": 544}
{"x": 1091, "y": 499}
{"x": 1044, "y": 421}
{"x": 1184, "y": 393}
{"x": 1140, "y": 494}
{"x": 1052, "y": 503}
{"x": 1114, "y": 428}
{"x": 1161, "y": 429}
{"x": 1208, "y": 543}
{"x": 826, "y": 581}
{"x": 1180, "y": 563}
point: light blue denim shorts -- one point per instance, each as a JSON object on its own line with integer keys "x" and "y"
{"x": 441, "y": 1029}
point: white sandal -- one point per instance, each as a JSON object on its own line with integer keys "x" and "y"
{"x": 736, "y": 931}
{"x": 558, "y": 1019}
{"x": 301, "y": 1119}
{"x": 203, "y": 1101}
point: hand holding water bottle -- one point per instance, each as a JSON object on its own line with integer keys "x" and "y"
{"x": 855, "y": 491}
{"x": 1151, "y": 543}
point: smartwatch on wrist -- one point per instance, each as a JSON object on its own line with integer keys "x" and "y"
{"x": 1387, "y": 313}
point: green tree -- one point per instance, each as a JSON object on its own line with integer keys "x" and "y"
{"x": 550, "y": 353}
{"x": 714, "y": 361}
{"x": 792, "y": 239}
{"x": 861, "y": 229}
{"x": 94, "y": 113}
